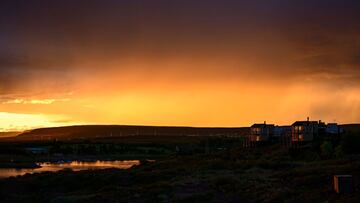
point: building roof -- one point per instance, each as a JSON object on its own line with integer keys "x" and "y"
{"x": 301, "y": 123}
{"x": 262, "y": 125}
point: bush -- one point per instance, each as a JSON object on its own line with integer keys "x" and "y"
{"x": 326, "y": 149}
{"x": 339, "y": 151}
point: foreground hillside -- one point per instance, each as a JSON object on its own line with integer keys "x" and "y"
{"x": 265, "y": 174}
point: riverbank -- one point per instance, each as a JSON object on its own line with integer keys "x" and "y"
{"x": 72, "y": 166}
{"x": 26, "y": 154}
{"x": 22, "y": 165}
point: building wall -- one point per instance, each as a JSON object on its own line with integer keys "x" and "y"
{"x": 304, "y": 133}
{"x": 258, "y": 134}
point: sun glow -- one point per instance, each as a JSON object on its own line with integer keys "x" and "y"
{"x": 8, "y": 121}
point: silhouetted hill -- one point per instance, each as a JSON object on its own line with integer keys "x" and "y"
{"x": 106, "y": 131}
{"x": 115, "y": 131}
{"x": 352, "y": 128}
{"x": 9, "y": 134}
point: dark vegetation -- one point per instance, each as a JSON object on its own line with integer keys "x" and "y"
{"x": 190, "y": 169}
{"x": 18, "y": 155}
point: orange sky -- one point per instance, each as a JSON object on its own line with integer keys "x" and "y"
{"x": 180, "y": 63}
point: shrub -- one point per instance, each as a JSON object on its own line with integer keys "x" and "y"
{"x": 326, "y": 149}
{"x": 339, "y": 151}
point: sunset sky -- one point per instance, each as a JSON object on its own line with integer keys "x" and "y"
{"x": 178, "y": 62}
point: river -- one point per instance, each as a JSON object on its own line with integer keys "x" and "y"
{"x": 74, "y": 165}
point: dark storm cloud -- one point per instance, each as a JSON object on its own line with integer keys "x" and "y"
{"x": 19, "y": 73}
{"x": 47, "y": 38}
{"x": 325, "y": 35}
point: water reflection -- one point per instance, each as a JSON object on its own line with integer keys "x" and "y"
{"x": 74, "y": 165}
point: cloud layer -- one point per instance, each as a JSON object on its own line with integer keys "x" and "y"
{"x": 115, "y": 49}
